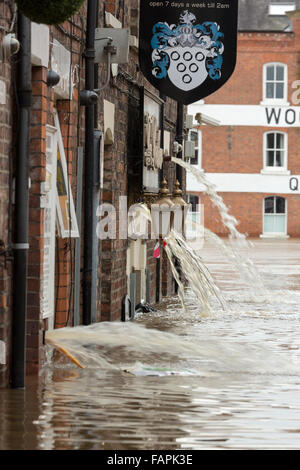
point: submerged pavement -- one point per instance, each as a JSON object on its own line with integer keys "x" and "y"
{"x": 173, "y": 379}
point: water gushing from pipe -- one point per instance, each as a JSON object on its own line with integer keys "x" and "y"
{"x": 195, "y": 272}
{"x": 244, "y": 265}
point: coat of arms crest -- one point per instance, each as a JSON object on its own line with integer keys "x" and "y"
{"x": 192, "y": 57}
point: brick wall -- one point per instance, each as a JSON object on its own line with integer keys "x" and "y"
{"x": 7, "y": 144}
{"x": 236, "y": 149}
{"x": 239, "y": 149}
{"x": 254, "y": 50}
{"x": 37, "y": 174}
{"x": 247, "y": 208}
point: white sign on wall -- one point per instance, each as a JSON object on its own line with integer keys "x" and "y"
{"x": 153, "y": 154}
{"x": 248, "y": 183}
{"x": 40, "y": 41}
{"x": 250, "y": 115}
{"x": 61, "y": 64}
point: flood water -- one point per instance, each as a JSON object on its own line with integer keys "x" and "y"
{"x": 177, "y": 380}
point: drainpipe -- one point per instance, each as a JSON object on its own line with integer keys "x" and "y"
{"x": 91, "y": 193}
{"x": 179, "y": 139}
{"x": 21, "y": 246}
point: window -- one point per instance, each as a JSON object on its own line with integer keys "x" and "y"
{"x": 194, "y": 201}
{"x": 275, "y": 83}
{"x": 275, "y": 219}
{"x": 195, "y": 136}
{"x": 194, "y": 222}
{"x": 275, "y": 151}
{"x": 67, "y": 221}
{"x": 48, "y": 203}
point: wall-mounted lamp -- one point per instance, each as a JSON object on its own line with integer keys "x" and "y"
{"x": 161, "y": 212}
{"x": 52, "y": 78}
{"x": 181, "y": 215}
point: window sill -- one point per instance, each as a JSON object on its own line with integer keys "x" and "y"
{"x": 274, "y": 235}
{"x": 279, "y": 172}
{"x": 274, "y": 103}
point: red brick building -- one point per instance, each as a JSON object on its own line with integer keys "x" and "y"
{"x": 253, "y": 155}
{"x": 73, "y": 277}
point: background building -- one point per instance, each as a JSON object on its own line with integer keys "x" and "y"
{"x": 253, "y": 156}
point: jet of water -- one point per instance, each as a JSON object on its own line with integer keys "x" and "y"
{"x": 210, "y": 189}
{"x": 244, "y": 265}
{"x": 194, "y": 270}
{"x": 170, "y": 256}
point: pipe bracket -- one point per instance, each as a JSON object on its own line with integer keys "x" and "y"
{"x": 20, "y": 246}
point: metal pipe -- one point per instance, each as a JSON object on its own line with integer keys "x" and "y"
{"x": 96, "y": 67}
{"x": 21, "y": 206}
{"x": 162, "y": 142}
{"x": 179, "y": 139}
{"x": 89, "y": 287}
{"x": 107, "y": 80}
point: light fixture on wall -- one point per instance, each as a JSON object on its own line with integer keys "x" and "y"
{"x": 180, "y": 216}
{"x": 161, "y": 212}
{"x": 52, "y": 78}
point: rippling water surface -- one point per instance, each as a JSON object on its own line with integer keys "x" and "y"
{"x": 175, "y": 380}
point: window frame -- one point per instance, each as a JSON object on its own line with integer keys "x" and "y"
{"x": 195, "y": 203}
{"x": 194, "y": 222}
{"x": 48, "y": 202}
{"x": 198, "y": 148}
{"x": 275, "y": 234}
{"x": 72, "y": 231}
{"x": 275, "y": 169}
{"x": 276, "y": 101}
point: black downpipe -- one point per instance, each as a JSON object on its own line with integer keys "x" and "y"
{"x": 89, "y": 300}
{"x": 96, "y": 68}
{"x": 21, "y": 206}
{"x": 179, "y": 139}
{"x": 158, "y": 260}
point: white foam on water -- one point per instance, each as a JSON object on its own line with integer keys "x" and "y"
{"x": 119, "y": 346}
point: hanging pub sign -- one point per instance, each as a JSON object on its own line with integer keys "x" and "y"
{"x": 188, "y": 49}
